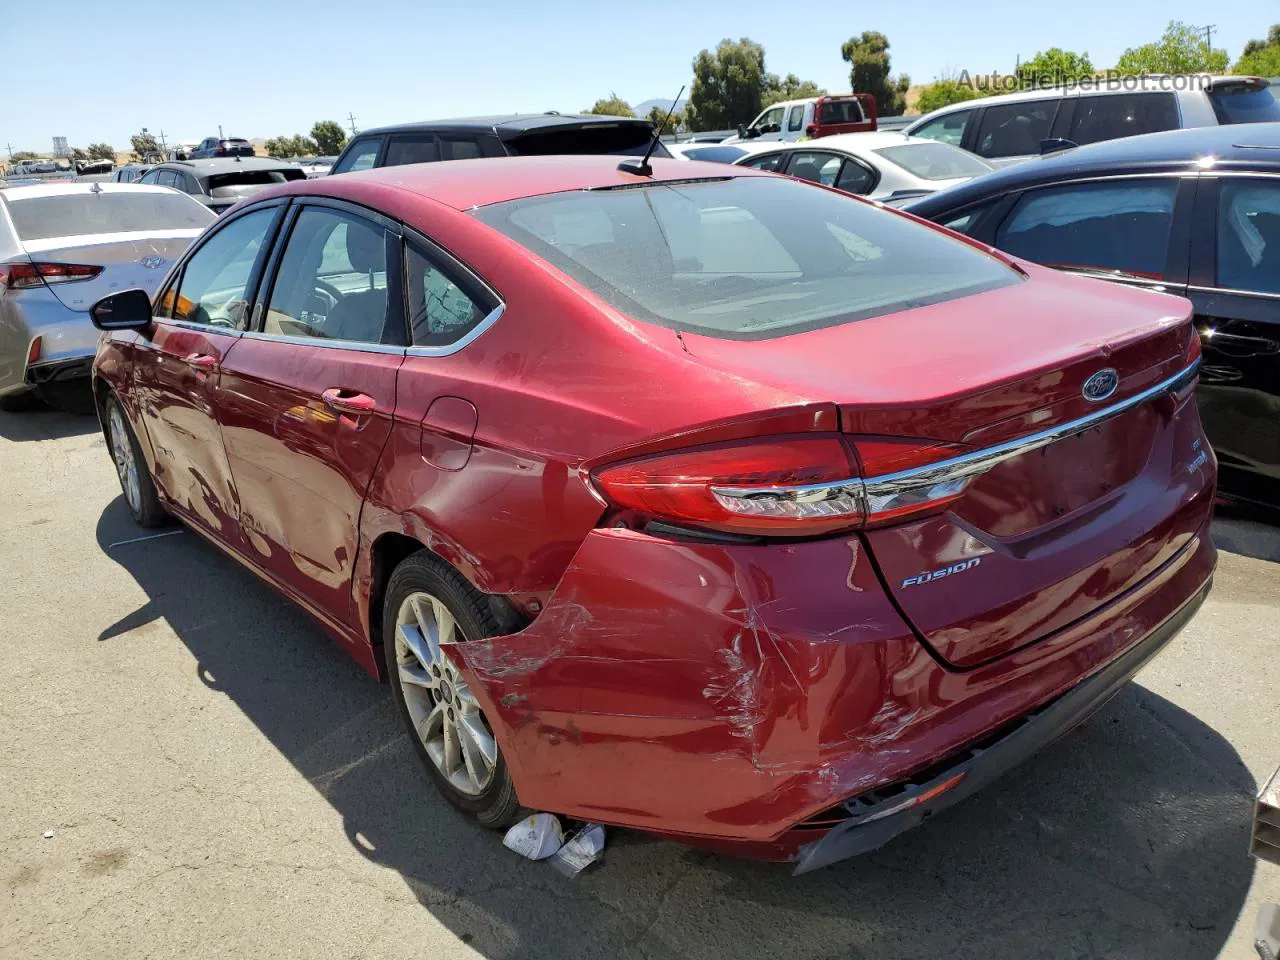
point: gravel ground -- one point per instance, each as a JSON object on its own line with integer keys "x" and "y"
{"x": 221, "y": 781}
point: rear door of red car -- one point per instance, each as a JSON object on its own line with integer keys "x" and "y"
{"x": 306, "y": 402}
{"x": 199, "y": 320}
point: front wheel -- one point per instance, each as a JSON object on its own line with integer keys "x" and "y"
{"x": 428, "y": 607}
{"x": 135, "y": 479}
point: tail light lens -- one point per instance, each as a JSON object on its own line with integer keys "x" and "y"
{"x": 21, "y": 276}
{"x": 785, "y": 486}
{"x": 33, "y": 352}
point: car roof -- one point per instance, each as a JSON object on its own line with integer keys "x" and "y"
{"x": 226, "y": 164}
{"x": 511, "y": 123}
{"x": 1244, "y": 145}
{"x": 464, "y": 184}
{"x": 64, "y": 187}
{"x": 858, "y": 143}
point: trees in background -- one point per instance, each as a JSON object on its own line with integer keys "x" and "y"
{"x": 101, "y": 151}
{"x": 868, "y": 56}
{"x": 611, "y": 106}
{"x": 329, "y": 138}
{"x": 658, "y": 115}
{"x": 1181, "y": 49}
{"x": 144, "y": 145}
{"x": 1055, "y": 65}
{"x": 789, "y": 87}
{"x": 728, "y": 86}
{"x": 944, "y": 93}
{"x": 295, "y": 146}
{"x": 1261, "y": 58}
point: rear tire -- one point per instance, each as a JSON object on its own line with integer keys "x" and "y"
{"x": 131, "y": 467}
{"x": 427, "y": 601}
{"x": 17, "y": 402}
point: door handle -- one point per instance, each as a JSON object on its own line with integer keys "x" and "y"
{"x": 348, "y": 401}
{"x": 201, "y": 361}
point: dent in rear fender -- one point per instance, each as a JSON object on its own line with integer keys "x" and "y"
{"x": 693, "y": 686}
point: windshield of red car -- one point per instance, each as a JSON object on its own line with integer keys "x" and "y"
{"x": 745, "y": 258}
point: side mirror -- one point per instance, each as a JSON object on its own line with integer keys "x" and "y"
{"x": 742, "y": 132}
{"x": 1054, "y": 144}
{"x": 126, "y": 310}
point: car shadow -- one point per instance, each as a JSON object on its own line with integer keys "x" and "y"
{"x": 1251, "y": 533}
{"x": 1127, "y": 838}
{"x": 39, "y": 421}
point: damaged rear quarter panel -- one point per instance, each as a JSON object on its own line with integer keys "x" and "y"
{"x": 694, "y": 687}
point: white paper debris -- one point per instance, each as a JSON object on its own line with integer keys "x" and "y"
{"x": 583, "y": 849}
{"x": 536, "y": 837}
{"x": 48, "y": 834}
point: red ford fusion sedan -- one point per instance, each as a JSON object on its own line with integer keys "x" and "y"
{"x": 707, "y": 502}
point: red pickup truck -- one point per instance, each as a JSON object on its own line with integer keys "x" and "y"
{"x": 812, "y": 118}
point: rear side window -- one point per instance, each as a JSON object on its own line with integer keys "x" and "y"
{"x": 440, "y": 310}
{"x": 403, "y": 150}
{"x": 360, "y": 156}
{"x": 1249, "y": 235}
{"x": 460, "y": 148}
{"x": 964, "y": 222}
{"x": 949, "y": 128}
{"x": 630, "y": 139}
{"x": 1122, "y": 115}
{"x": 332, "y": 282}
{"x": 1245, "y": 104}
{"x": 1121, "y": 226}
{"x": 748, "y": 258}
{"x": 1014, "y": 129}
{"x": 77, "y": 214}
{"x": 770, "y": 161}
{"x": 821, "y": 168}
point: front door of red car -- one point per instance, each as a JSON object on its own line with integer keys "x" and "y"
{"x": 199, "y": 320}
{"x": 307, "y": 398}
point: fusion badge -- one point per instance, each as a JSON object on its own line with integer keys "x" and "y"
{"x": 955, "y": 568}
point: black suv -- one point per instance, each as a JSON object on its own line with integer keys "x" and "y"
{"x": 221, "y": 147}
{"x": 506, "y": 136}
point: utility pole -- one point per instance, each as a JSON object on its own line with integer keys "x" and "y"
{"x": 220, "y": 137}
{"x": 1208, "y": 34}
{"x": 351, "y": 117}
{"x": 163, "y": 147}
{"x": 9, "y": 147}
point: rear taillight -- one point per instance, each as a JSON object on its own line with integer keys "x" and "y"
{"x": 20, "y": 276}
{"x": 786, "y": 486}
{"x": 33, "y": 352}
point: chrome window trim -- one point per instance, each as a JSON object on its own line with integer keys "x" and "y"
{"x": 326, "y": 342}
{"x": 964, "y": 466}
{"x": 448, "y": 349}
{"x": 1234, "y": 292}
{"x": 199, "y": 327}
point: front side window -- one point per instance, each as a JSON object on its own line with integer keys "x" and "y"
{"x": 1014, "y": 129}
{"x": 949, "y": 128}
{"x": 1122, "y": 226}
{"x": 440, "y": 310}
{"x": 332, "y": 282}
{"x": 360, "y": 156}
{"x": 1111, "y": 116}
{"x": 770, "y": 118}
{"x": 795, "y": 119}
{"x": 214, "y": 288}
{"x": 747, "y": 258}
{"x": 403, "y": 150}
{"x": 1249, "y": 235}
{"x": 815, "y": 167}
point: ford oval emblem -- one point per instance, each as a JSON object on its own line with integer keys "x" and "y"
{"x": 1101, "y": 385}
{"x": 153, "y": 263}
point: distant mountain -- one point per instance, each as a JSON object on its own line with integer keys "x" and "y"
{"x": 642, "y": 109}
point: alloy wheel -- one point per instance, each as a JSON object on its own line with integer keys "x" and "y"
{"x": 126, "y": 463}
{"x": 444, "y": 712}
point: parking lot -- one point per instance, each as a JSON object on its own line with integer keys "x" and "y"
{"x": 222, "y": 781}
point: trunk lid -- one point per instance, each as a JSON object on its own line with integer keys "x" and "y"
{"x": 127, "y": 261}
{"x": 1057, "y": 528}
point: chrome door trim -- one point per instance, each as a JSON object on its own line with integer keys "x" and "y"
{"x": 199, "y": 327}
{"x": 448, "y": 349}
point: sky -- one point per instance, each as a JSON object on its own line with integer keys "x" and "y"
{"x": 264, "y": 68}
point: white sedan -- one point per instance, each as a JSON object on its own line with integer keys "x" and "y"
{"x": 890, "y": 167}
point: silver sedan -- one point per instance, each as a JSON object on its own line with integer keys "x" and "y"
{"x": 890, "y": 167}
{"x": 64, "y": 246}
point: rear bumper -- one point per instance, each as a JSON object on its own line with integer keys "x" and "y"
{"x": 872, "y": 825}
{"x": 68, "y": 340}
{"x": 734, "y": 696}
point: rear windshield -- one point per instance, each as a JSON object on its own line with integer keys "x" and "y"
{"x": 841, "y": 111}
{"x": 936, "y": 161}
{"x": 716, "y": 153}
{"x": 229, "y": 184}
{"x": 630, "y": 139}
{"x": 745, "y": 258}
{"x": 1245, "y": 105}
{"x": 77, "y": 214}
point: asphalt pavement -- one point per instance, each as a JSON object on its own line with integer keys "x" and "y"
{"x": 220, "y": 780}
